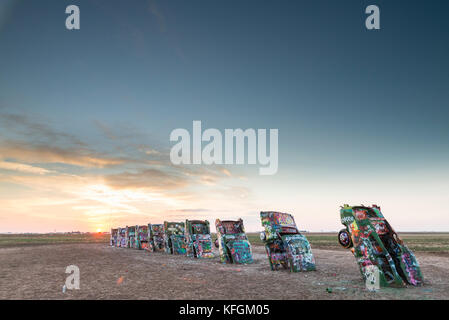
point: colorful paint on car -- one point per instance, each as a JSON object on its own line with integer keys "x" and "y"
{"x": 285, "y": 246}
{"x": 199, "y": 240}
{"x": 142, "y": 242}
{"x": 233, "y": 244}
{"x": 374, "y": 243}
{"x": 131, "y": 237}
{"x": 156, "y": 236}
{"x": 121, "y": 238}
{"x": 175, "y": 237}
{"x": 114, "y": 237}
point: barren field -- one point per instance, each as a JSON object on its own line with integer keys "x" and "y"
{"x": 38, "y": 272}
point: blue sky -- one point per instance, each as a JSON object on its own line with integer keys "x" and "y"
{"x": 362, "y": 115}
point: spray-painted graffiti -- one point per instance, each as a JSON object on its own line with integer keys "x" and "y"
{"x": 114, "y": 237}
{"x": 374, "y": 243}
{"x": 156, "y": 237}
{"x": 142, "y": 237}
{"x": 131, "y": 237}
{"x": 175, "y": 238}
{"x": 199, "y": 241}
{"x": 286, "y": 247}
{"x": 121, "y": 238}
{"x": 232, "y": 242}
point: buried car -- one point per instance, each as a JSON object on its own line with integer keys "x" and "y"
{"x": 377, "y": 248}
{"x": 156, "y": 237}
{"x": 142, "y": 237}
{"x": 199, "y": 241}
{"x": 121, "y": 238}
{"x": 284, "y": 244}
{"x": 114, "y": 237}
{"x": 232, "y": 242}
{"x": 174, "y": 237}
{"x": 131, "y": 237}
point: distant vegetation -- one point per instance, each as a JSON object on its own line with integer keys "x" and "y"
{"x": 15, "y": 240}
{"x": 419, "y": 242}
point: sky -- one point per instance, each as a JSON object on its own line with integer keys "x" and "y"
{"x": 86, "y": 115}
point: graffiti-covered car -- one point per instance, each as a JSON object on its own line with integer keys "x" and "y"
{"x": 114, "y": 237}
{"x": 199, "y": 240}
{"x": 374, "y": 243}
{"x": 121, "y": 238}
{"x": 175, "y": 237}
{"x": 142, "y": 237}
{"x": 156, "y": 241}
{"x": 284, "y": 244}
{"x": 131, "y": 237}
{"x": 232, "y": 242}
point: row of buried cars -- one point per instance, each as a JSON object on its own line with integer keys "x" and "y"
{"x": 377, "y": 248}
{"x": 191, "y": 238}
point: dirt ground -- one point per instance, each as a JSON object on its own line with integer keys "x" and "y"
{"x": 38, "y": 272}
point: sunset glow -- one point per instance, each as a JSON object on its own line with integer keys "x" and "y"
{"x": 85, "y": 120}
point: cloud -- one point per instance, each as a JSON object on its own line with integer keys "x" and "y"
{"x": 191, "y": 210}
{"x": 13, "y": 166}
{"x": 30, "y": 140}
{"x": 226, "y": 172}
{"x": 165, "y": 176}
{"x": 26, "y": 126}
{"x": 161, "y": 21}
{"x": 29, "y": 153}
{"x": 149, "y": 151}
{"x": 153, "y": 179}
{"x": 106, "y": 130}
{"x": 117, "y": 131}
{"x": 131, "y": 182}
{"x": 160, "y": 18}
{"x": 207, "y": 175}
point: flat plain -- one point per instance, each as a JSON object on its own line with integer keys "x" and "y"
{"x": 33, "y": 267}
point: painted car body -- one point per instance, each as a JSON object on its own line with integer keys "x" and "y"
{"x": 175, "y": 237}
{"x": 233, "y": 243}
{"x": 156, "y": 237}
{"x": 142, "y": 237}
{"x": 374, "y": 243}
{"x": 121, "y": 238}
{"x": 199, "y": 240}
{"x": 114, "y": 237}
{"x": 131, "y": 237}
{"x": 284, "y": 244}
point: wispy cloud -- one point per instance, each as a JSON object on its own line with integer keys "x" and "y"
{"x": 13, "y": 166}
{"x": 118, "y": 131}
{"x": 153, "y": 179}
{"x": 131, "y": 182}
{"x": 30, "y": 127}
{"x": 29, "y": 139}
{"x": 191, "y": 210}
{"x": 153, "y": 8}
{"x": 149, "y": 151}
{"x": 30, "y": 153}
